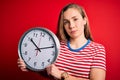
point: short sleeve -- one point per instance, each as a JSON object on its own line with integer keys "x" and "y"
{"x": 99, "y": 58}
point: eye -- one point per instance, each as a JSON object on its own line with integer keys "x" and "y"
{"x": 75, "y": 19}
{"x": 66, "y": 22}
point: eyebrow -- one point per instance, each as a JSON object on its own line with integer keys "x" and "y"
{"x": 71, "y": 18}
{"x": 74, "y": 17}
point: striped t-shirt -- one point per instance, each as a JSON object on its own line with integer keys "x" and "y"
{"x": 78, "y": 62}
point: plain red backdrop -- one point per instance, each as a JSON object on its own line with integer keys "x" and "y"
{"x": 17, "y": 16}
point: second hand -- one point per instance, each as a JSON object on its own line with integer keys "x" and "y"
{"x": 38, "y": 46}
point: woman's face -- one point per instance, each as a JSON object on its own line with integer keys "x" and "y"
{"x": 73, "y": 23}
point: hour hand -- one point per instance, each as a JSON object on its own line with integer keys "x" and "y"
{"x": 35, "y": 44}
{"x": 45, "y": 47}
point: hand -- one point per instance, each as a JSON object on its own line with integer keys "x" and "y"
{"x": 54, "y": 71}
{"x": 21, "y": 65}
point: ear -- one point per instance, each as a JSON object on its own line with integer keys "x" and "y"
{"x": 84, "y": 20}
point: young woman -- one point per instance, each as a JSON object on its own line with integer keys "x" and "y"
{"x": 80, "y": 58}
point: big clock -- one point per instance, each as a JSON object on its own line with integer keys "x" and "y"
{"x": 38, "y": 47}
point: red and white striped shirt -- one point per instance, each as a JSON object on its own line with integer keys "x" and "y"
{"x": 79, "y": 62}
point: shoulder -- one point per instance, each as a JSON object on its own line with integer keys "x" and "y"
{"x": 63, "y": 45}
{"x": 96, "y": 45}
{"x": 98, "y": 49}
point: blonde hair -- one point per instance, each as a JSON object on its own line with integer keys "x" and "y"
{"x": 61, "y": 33}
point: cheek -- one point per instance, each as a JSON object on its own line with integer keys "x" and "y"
{"x": 80, "y": 25}
{"x": 66, "y": 28}
{"x": 81, "y": 28}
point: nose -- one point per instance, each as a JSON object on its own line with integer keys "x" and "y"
{"x": 72, "y": 24}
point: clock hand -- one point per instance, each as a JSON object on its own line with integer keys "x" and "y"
{"x": 35, "y": 44}
{"x": 38, "y": 46}
{"x": 45, "y": 47}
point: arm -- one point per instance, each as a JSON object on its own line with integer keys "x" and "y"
{"x": 55, "y": 72}
{"x": 74, "y": 78}
{"x": 98, "y": 67}
{"x": 97, "y": 74}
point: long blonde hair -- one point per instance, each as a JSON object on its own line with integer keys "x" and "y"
{"x": 62, "y": 34}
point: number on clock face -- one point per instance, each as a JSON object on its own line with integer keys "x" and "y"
{"x": 38, "y": 49}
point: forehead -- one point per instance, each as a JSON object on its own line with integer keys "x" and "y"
{"x": 70, "y": 13}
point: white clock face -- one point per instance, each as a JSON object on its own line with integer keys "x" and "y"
{"x": 38, "y": 48}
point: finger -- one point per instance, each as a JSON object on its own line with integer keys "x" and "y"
{"x": 52, "y": 65}
{"x": 20, "y": 60}
{"x": 21, "y": 63}
{"x": 21, "y": 66}
{"x": 24, "y": 69}
{"x": 48, "y": 68}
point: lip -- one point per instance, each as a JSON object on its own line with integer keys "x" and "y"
{"x": 73, "y": 31}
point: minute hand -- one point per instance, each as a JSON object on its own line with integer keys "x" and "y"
{"x": 46, "y": 47}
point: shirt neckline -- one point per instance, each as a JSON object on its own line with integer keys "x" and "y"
{"x": 77, "y": 50}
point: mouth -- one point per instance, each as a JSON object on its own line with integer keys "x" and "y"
{"x": 73, "y": 31}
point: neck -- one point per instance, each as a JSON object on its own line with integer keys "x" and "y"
{"x": 78, "y": 42}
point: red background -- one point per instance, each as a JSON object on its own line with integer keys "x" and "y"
{"x": 17, "y": 16}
